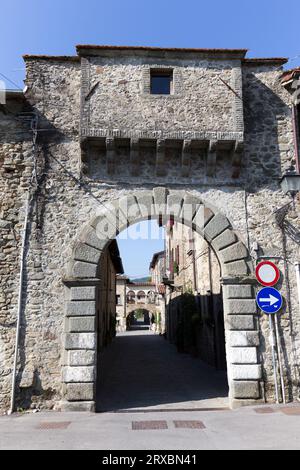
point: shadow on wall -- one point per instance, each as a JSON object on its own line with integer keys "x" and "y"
{"x": 28, "y": 397}
{"x": 263, "y": 110}
{"x": 196, "y": 326}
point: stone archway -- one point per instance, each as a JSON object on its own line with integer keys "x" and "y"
{"x": 134, "y": 307}
{"x": 148, "y": 311}
{"x": 242, "y": 338}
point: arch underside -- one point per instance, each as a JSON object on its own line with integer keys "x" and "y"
{"x": 84, "y": 271}
{"x": 151, "y": 308}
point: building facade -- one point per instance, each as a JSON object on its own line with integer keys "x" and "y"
{"x": 121, "y": 284}
{"x": 139, "y": 297}
{"x": 158, "y": 271}
{"x": 195, "y": 316}
{"x": 107, "y": 303}
{"x": 115, "y": 135}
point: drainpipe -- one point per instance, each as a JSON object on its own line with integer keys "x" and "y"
{"x": 297, "y": 267}
{"x": 20, "y": 296}
{"x": 296, "y": 131}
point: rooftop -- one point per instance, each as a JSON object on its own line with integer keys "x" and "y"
{"x": 163, "y": 52}
{"x": 155, "y": 258}
{"x": 289, "y": 75}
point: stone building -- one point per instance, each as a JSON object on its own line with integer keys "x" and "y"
{"x": 138, "y": 296}
{"x": 115, "y": 135}
{"x": 193, "y": 275}
{"x": 121, "y": 284}
{"x": 157, "y": 270}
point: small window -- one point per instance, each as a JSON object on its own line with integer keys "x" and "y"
{"x": 161, "y": 82}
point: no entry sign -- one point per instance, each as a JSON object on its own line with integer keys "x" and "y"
{"x": 267, "y": 273}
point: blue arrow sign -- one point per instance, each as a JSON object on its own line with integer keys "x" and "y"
{"x": 269, "y": 300}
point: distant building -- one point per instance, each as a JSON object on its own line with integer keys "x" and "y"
{"x": 121, "y": 285}
{"x": 142, "y": 297}
{"x": 158, "y": 268}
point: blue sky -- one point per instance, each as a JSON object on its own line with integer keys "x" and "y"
{"x": 137, "y": 245}
{"x": 265, "y": 27}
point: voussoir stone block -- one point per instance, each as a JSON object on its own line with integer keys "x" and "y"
{"x": 81, "y": 308}
{"x": 242, "y": 338}
{"x": 84, "y": 270}
{"x": 130, "y": 208}
{"x": 201, "y": 218}
{"x": 87, "y": 253}
{"x": 81, "y": 358}
{"x": 190, "y": 206}
{"x": 227, "y": 238}
{"x": 245, "y": 371}
{"x": 106, "y": 226}
{"x": 80, "y": 341}
{"x": 146, "y": 204}
{"x": 215, "y": 227}
{"x": 242, "y": 355}
{"x": 160, "y": 200}
{"x": 234, "y": 253}
{"x": 91, "y": 238}
{"x": 240, "y": 322}
{"x": 78, "y": 374}
{"x": 83, "y": 293}
{"x": 78, "y": 324}
{"x": 174, "y": 203}
{"x": 238, "y": 291}
{"x": 239, "y": 306}
{"x": 245, "y": 389}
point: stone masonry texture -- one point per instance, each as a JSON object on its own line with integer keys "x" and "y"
{"x": 108, "y": 92}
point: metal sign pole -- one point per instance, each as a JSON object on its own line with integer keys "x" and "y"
{"x": 279, "y": 358}
{"x": 272, "y": 337}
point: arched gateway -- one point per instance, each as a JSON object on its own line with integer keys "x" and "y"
{"x": 84, "y": 272}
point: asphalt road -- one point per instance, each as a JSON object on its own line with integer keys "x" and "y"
{"x": 244, "y": 428}
{"x": 152, "y": 398}
{"x": 141, "y": 370}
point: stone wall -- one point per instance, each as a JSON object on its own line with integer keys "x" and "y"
{"x": 65, "y": 201}
{"x": 122, "y": 82}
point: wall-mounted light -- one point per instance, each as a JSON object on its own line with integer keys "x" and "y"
{"x": 290, "y": 183}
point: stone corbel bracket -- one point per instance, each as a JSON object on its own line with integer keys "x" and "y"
{"x": 237, "y": 154}
{"x": 110, "y": 155}
{"x": 186, "y": 158}
{"x": 211, "y": 158}
{"x": 160, "y": 157}
{"x": 134, "y": 156}
{"x": 212, "y": 142}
